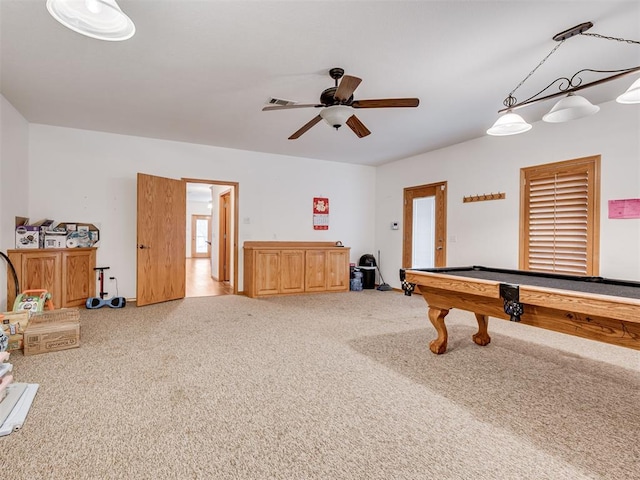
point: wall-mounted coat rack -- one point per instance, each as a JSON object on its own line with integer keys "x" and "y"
{"x": 484, "y": 197}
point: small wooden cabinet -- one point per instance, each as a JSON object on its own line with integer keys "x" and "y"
{"x": 67, "y": 273}
{"x": 280, "y": 268}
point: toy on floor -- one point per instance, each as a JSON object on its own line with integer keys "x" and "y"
{"x": 113, "y": 302}
{"x": 33, "y": 301}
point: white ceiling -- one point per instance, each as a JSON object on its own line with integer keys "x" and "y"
{"x": 200, "y": 71}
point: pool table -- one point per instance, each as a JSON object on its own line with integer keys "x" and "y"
{"x": 591, "y": 307}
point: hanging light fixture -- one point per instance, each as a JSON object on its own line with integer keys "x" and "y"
{"x": 336, "y": 115}
{"x": 101, "y": 19}
{"x": 509, "y": 124}
{"x": 571, "y": 106}
{"x": 632, "y": 95}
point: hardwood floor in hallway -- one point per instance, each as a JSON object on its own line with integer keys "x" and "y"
{"x": 199, "y": 281}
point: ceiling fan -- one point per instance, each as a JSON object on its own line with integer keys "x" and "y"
{"x": 338, "y": 105}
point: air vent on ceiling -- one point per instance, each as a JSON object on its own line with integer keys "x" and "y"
{"x": 280, "y": 101}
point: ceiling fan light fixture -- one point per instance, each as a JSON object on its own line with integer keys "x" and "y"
{"x": 569, "y": 108}
{"x": 336, "y": 115}
{"x": 100, "y": 19}
{"x": 509, "y": 124}
{"x": 632, "y": 95}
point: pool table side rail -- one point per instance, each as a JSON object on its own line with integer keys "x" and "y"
{"x": 620, "y": 308}
{"x": 474, "y": 286}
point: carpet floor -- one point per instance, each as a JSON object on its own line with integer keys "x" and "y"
{"x": 326, "y": 386}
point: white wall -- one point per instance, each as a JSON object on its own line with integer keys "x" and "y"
{"x": 76, "y": 175}
{"x": 14, "y": 181}
{"x": 86, "y": 176}
{"x": 487, "y": 232}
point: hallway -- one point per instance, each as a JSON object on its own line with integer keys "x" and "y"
{"x": 199, "y": 282}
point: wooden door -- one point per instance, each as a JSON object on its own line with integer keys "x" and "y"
{"x": 337, "y": 270}
{"x": 161, "y": 243}
{"x": 316, "y": 271}
{"x": 41, "y": 271}
{"x": 267, "y": 272}
{"x": 224, "y": 260}
{"x": 201, "y": 236}
{"x": 291, "y": 271}
{"x": 78, "y": 277}
{"x": 438, "y": 192}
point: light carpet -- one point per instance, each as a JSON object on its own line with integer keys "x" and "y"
{"x": 326, "y": 386}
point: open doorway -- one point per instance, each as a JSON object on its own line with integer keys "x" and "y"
{"x": 211, "y": 263}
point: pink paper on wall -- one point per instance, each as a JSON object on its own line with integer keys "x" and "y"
{"x": 628, "y": 208}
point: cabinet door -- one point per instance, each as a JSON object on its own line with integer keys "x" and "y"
{"x": 78, "y": 277}
{"x": 291, "y": 271}
{"x": 40, "y": 271}
{"x": 337, "y": 270}
{"x": 267, "y": 272}
{"x": 316, "y": 271}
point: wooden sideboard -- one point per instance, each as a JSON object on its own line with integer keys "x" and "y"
{"x": 282, "y": 268}
{"x": 67, "y": 273}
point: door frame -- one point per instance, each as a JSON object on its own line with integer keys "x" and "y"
{"x": 236, "y": 201}
{"x": 439, "y": 190}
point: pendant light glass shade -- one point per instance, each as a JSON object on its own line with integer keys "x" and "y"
{"x": 632, "y": 95}
{"x": 509, "y": 124}
{"x": 570, "y": 107}
{"x": 336, "y": 115}
{"x": 101, "y": 19}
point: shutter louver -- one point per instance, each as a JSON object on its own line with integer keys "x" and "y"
{"x": 558, "y": 223}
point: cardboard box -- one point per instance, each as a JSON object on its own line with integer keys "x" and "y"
{"x": 13, "y": 325}
{"x": 80, "y": 234}
{"x": 51, "y": 337}
{"x": 59, "y": 315}
{"x": 44, "y": 226}
{"x": 27, "y": 236}
{"x": 31, "y": 235}
{"x": 16, "y": 342}
{"x": 54, "y": 239}
{"x": 52, "y": 330}
{"x": 14, "y": 322}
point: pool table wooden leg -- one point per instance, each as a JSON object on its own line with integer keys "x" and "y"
{"x": 436, "y": 315}
{"x": 482, "y": 337}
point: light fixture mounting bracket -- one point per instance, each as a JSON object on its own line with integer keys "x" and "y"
{"x": 336, "y": 73}
{"x": 573, "y": 31}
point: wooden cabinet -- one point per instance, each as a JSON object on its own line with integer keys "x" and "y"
{"x": 338, "y": 270}
{"x": 315, "y": 271}
{"x": 267, "y": 280}
{"x": 280, "y": 268}
{"x": 67, "y": 273}
{"x": 291, "y": 271}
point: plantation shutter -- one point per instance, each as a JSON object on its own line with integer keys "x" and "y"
{"x": 561, "y": 217}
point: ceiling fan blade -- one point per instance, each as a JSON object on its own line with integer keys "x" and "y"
{"x": 386, "y": 103}
{"x": 357, "y": 126}
{"x": 305, "y": 127}
{"x": 285, "y": 107}
{"x": 347, "y": 86}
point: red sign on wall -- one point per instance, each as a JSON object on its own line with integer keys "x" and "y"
{"x": 320, "y": 213}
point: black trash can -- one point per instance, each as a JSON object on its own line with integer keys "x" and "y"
{"x": 367, "y": 260}
{"x": 367, "y": 265}
{"x": 368, "y": 277}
